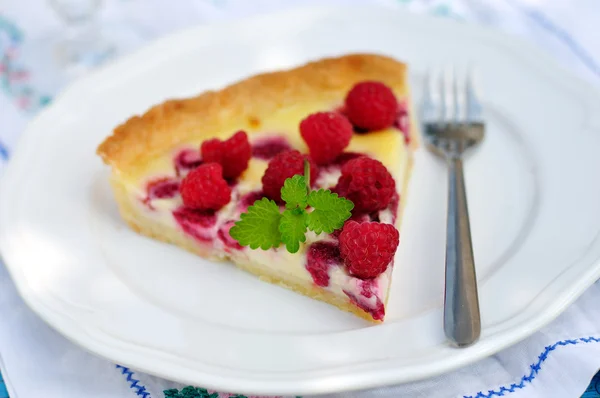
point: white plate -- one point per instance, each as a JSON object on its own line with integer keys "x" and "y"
{"x": 533, "y": 193}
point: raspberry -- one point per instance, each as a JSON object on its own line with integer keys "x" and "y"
{"x": 204, "y": 188}
{"x": 281, "y": 167}
{"x": 402, "y": 122}
{"x": 326, "y": 134}
{"x": 196, "y": 223}
{"x": 267, "y": 148}
{"x": 367, "y": 183}
{"x": 319, "y": 258}
{"x": 232, "y": 154}
{"x": 368, "y": 248}
{"x": 371, "y": 105}
{"x": 162, "y": 188}
{"x": 186, "y": 160}
{"x": 223, "y": 234}
{"x": 345, "y": 157}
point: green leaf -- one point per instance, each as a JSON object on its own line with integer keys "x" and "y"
{"x": 330, "y": 211}
{"x": 293, "y": 228}
{"x": 294, "y": 193}
{"x": 259, "y": 226}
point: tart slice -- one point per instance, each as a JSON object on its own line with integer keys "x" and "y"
{"x": 296, "y": 176}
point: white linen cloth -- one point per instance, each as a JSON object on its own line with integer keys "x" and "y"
{"x": 35, "y": 361}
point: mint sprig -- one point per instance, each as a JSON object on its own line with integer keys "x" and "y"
{"x": 259, "y": 226}
{"x": 330, "y": 211}
{"x": 264, "y": 226}
{"x": 293, "y": 228}
{"x": 294, "y": 192}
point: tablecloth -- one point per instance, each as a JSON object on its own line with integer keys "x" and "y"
{"x": 37, "y": 362}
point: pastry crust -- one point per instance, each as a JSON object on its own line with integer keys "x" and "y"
{"x": 242, "y": 106}
{"x": 251, "y": 105}
{"x": 134, "y": 215}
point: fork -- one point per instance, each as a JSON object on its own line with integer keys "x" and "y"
{"x": 453, "y": 123}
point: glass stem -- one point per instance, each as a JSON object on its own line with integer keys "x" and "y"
{"x": 83, "y": 46}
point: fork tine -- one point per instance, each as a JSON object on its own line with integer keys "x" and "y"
{"x": 474, "y": 108}
{"x": 459, "y": 93}
{"x": 446, "y": 111}
{"x": 430, "y": 103}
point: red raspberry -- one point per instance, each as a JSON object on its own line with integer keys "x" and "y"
{"x": 320, "y": 257}
{"x": 371, "y": 106}
{"x": 326, "y": 134}
{"x": 283, "y": 166}
{"x": 232, "y": 154}
{"x": 204, "y": 188}
{"x": 368, "y": 248}
{"x": 367, "y": 183}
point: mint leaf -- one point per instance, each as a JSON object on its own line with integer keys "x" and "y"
{"x": 294, "y": 192}
{"x": 293, "y": 228}
{"x": 259, "y": 226}
{"x": 264, "y": 226}
{"x": 330, "y": 211}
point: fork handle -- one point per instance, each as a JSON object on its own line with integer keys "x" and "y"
{"x": 462, "y": 323}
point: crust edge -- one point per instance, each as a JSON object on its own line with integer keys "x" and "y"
{"x": 176, "y": 121}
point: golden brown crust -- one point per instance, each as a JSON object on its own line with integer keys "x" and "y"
{"x": 242, "y": 105}
{"x": 310, "y": 290}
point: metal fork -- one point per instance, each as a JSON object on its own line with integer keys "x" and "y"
{"x": 452, "y": 121}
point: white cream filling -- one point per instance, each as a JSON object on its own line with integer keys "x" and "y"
{"x": 279, "y": 260}
{"x": 329, "y": 179}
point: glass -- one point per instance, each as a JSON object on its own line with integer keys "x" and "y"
{"x": 80, "y": 44}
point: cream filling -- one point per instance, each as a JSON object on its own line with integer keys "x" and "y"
{"x": 278, "y": 260}
{"x": 328, "y": 180}
{"x": 294, "y": 266}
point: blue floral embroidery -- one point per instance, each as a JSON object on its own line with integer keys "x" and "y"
{"x": 535, "y": 369}
{"x": 134, "y": 383}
